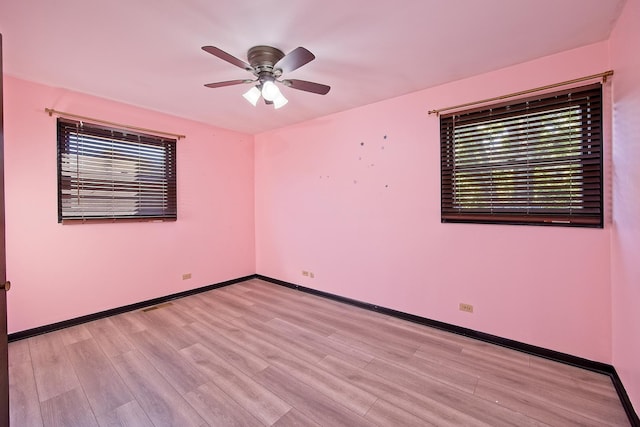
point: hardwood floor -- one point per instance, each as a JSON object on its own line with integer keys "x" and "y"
{"x": 258, "y": 354}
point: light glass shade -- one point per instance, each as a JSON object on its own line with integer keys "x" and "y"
{"x": 252, "y": 95}
{"x": 270, "y": 91}
{"x": 280, "y": 101}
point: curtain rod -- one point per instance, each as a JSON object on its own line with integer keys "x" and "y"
{"x": 604, "y": 76}
{"x": 51, "y": 112}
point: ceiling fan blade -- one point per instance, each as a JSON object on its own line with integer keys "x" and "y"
{"x": 294, "y": 59}
{"x": 306, "y": 86}
{"x": 228, "y": 83}
{"x": 227, "y": 57}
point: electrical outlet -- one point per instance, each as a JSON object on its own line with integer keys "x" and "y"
{"x": 466, "y": 307}
{"x": 305, "y": 273}
{"x": 186, "y": 276}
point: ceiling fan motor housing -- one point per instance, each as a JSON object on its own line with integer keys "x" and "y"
{"x": 263, "y": 59}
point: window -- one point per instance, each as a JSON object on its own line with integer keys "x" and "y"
{"x": 535, "y": 161}
{"x": 106, "y": 173}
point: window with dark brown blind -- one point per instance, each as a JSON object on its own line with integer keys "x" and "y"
{"x": 534, "y": 161}
{"x": 106, "y": 173}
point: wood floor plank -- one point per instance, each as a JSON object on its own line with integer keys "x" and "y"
{"x": 210, "y": 302}
{"x": 24, "y": 405}
{"x": 212, "y": 305}
{"x": 441, "y": 373}
{"x": 233, "y": 300}
{"x": 290, "y": 311}
{"x": 256, "y": 338}
{"x": 168, "y": 362}
{"x": 161, "y": 402}
{"x": 443, "y": 339}
{"x": 287, "y": 354}
{"x": 335, "y": 313}
{"x": 273, "y": 334}
{"x": 556, "y": 391}
{"x": 275, "y": 338}
{"x": 128, "y": 415}
{"x": 74, "y": 334}
{"x": 68, "y": 409}
{"x": 215, "y": 406}
{"x": 53, "y": 372}
{"x": 241, "y": 287}
{"x": 128, "y": 323}
{"x": 227, "y": 349}
{"x": 535, "y": 408}
{"x": 166, "y": 316}
{"x": 109, "y": 337}
{"x": 237, "y": 306}
{"x": 320, "y": 343}
{"x": 418, "y": 403}
{"x": 102, "y": 385}
{"x": 383, "y": 413}
{"x": 304, "y": 397}
{"x": 491, "y": 351}
{"x": 596, "y": 382}
{"x": 177, "y": 337}
{"x": 19, "y": 352}
{"x": 294, "y": 418}
{"x": 374, "y": 329}
{"x": 489, "y": 412}
{"x": 368, "y": 345}
{"x": 338, "y": 388}
{"x": 261, "y": 402}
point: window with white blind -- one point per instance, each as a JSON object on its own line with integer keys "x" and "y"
{"x": 112, "y": 174}
{"x": 534, "y": 161}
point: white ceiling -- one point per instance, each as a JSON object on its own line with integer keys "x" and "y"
{"x": 148, "y": 52}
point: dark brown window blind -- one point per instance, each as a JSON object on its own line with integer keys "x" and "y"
{"x": 534, "y": 161}
{"x": 106, "y": 173}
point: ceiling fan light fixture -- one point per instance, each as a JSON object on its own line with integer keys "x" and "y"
{"x": 252, "y": 95}
{"x": 268, "y": 64}
{"x": 280, "y": 101}
{"x": 270, "y": 91}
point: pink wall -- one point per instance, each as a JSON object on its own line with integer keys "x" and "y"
{"x": 625, "y": 241}
{"x": 60, "y": 272}
{"x": 334, "y": 197}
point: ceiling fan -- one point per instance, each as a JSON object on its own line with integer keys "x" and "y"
{"x": 268, "y": 64}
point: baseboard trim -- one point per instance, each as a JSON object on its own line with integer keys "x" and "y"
{"x": 118, "y": 310}
{"x": 557, "y": 356}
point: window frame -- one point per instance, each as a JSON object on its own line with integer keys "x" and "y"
{"x": 114, "y": 174}
{"x": 492, "y": 200}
